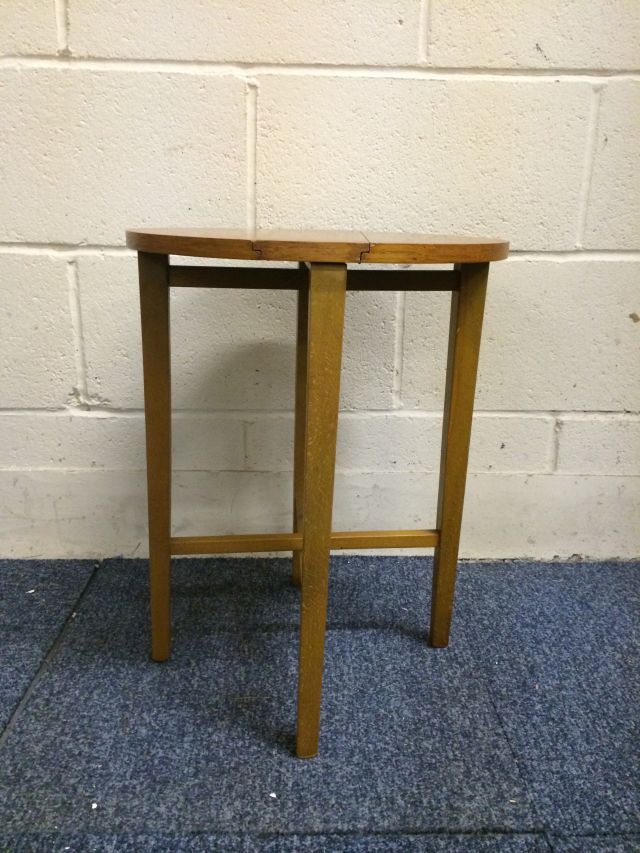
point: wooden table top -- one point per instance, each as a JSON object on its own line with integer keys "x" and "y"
{"x": 318, "y": 246}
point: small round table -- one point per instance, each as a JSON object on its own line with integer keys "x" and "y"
{"x": 321, "y": 280}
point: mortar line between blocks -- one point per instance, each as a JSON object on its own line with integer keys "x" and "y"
{"x": 240, "y": 70}
{"x": 106, "y": 412}
{"x": 555, "y": 448}
{"x": 398, "y": 350}
{"x": 589, "y": 160}
{"x": 62, "y": 26}
{"x": 424, "y": 27}
{"x": 245, "y": 446}
{"x": 80, "y": 391}
{"x": 48, "y": 658}
{"x": 252, "y": 153}
{"x": 75, "y": 250}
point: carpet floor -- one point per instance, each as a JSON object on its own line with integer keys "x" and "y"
{"x": 521, "y": 736}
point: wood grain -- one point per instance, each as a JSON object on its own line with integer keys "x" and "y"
{"x": 274, "y": 278}
{"x": 300, "y": 422}
{"x": 242, "y": 543}
{"x": 327, "y": 292}
{"x": 195, "y": 242}
{"x": 255, "y": 543}
{"x": 465, "y": 330}
{"x": 321, "y": 246}
{"x": 318, "y": 246}
{"x": 246, "y": 278}
{"x": 397, "y": 248}
{"x": 368, "y": 539}
{"x": 394, "y": 279}
{"x": 153, "y": 271}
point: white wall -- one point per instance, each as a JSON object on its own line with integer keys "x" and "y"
{"x": 498, "y": 117}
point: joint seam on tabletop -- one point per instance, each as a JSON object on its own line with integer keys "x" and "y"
{"x": 48, "y": 658}
{"x": 365, "y": 252}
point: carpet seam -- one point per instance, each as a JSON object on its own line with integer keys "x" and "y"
{"x": 47, "y": 659}
{"x": 521, "y": 774}
{"x": 338, "y": 833}
{"x": 345, "y": 833}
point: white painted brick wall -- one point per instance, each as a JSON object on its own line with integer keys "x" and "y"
{"x": 599, "y": 444}
{"x": 289, "y": 31}
{"x": 598, "y": 34}
{"x": 513, "y": 119}
{"x": 37, "y": 367}
{"x": 473, "y": 156}
{"x": 558, "y": 336}
{"x": 85, "y": 151}
{"x": 613, "y": 211}
{"x": 401, "y": 441}
{"x": 27, "y": 28}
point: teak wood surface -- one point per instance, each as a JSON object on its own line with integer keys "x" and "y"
{"x": 318, "y": 246}
{"x": 321, "y": 281}
{"x": 153, "y": 272}
{"x": 327, "y": 294}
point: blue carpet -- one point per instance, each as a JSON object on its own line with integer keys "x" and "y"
{"x": 36, "y": 598}
{"x": 521, "y": 736}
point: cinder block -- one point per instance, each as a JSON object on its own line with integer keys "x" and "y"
{"x": 102, "y": 513}
{"x": 37, "y": 362}
{"x": 550, "y": 516}
{"x": 207, "y": 443}
{"x": 72, "y": 513}
{"x": 270, "y": 442}
{"x": 544, "y": 34}
{"x": 93, "y": 440}
{"x": 599, "y": 444}
{"x": 401, "y": 442}
{"x": 27, "y": 28}
{"x": 231, "y": 349}
{"x": 287, "y": 31}
{"x": 558, "y": 336}
{"x": 454, "y": 156}
{"x": 613, "y": 214}
{"x": 513, "y": 443}
{"x": 368, "y": 356}
{"x": 206, "y": 502}
{"x": 89, "y": 153}
{"x": 538, "y": 516}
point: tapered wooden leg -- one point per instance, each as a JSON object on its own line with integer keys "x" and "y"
{"x": 300, "y": 423}
{"x": 154, "y": 309}
{"x": 467, "y": 308}
{"x": 326, "y": 320}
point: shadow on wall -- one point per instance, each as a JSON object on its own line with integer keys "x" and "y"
{"x": 233, "y": 350}
{"x": 248, "y": 376}
{"x": 211, "y": 495}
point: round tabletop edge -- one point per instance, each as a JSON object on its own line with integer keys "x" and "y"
{"x": 392, "y": 248}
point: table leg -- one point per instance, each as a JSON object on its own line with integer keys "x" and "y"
{"x": 154, "y": 311}
{"x": 327, "y": 293}
{"x": 300, "y": 421}
{"x": 467, "y": 308}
